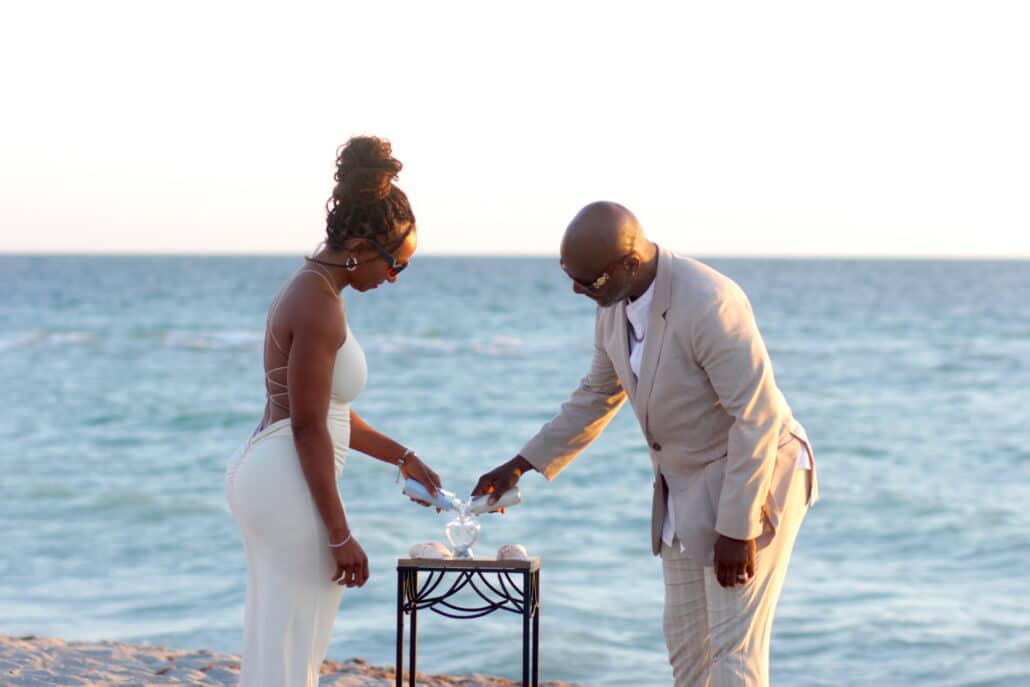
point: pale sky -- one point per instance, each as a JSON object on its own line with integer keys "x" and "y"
{"x": 754, "y": 128}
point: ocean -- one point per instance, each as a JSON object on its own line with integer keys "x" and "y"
{"x": 130, "y": 381}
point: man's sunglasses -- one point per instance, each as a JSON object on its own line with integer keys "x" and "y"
{"x": 598, "y": 283}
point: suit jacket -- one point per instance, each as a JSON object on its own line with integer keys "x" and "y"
{"x": 721, "y": 437}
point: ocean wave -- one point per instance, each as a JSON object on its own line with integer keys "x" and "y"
{"x": 213, "y": 340}
{"x": 499, "y": 346}
{"x": 71, "y": 337}
{"x": 494, "y": 346}
{"x": 490, "y": 347}
{"x": 32, "y": 339}
{"x": 408, "y": 344}
{"x": 20, "y": 340}
{"x": 148, "y": 506}
{"x": 51, "y": 490}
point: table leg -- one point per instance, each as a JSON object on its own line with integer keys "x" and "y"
{"x": 400, "y": 626}
{"x": 527, "y": 611}
{"x": 412, "y": 647}
{"x": 536, "y": 629}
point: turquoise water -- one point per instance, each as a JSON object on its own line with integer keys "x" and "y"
{"x": 130, "y": 381}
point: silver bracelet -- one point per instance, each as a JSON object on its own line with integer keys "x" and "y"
{"x": 336, "y": 546}
{"x": 401, "y": 463}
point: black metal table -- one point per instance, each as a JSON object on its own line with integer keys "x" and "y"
{"x": 493, "y": 583}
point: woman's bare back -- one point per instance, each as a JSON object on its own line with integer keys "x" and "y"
{"x": 299, "y": 291}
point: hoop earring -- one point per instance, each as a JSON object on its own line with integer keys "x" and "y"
{"x": 351, "y": 263}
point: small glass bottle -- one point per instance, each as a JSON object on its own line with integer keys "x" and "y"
{"x": 481, "y": 504}
{"x": 443, "y": 500}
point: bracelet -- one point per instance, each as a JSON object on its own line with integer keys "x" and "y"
{"x": 401, "y": 463}
{"x": 336, "y": 546}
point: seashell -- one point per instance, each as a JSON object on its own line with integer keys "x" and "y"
{"x": 512, "y": 552}
{"x": 432, "y": 550}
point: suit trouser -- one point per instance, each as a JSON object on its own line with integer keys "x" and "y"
{"x": 719, "y": 637}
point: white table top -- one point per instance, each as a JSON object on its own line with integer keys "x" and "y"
{"x": 532, "y": 565}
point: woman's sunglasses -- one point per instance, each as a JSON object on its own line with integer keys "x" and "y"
{"x": 395, "y": 267}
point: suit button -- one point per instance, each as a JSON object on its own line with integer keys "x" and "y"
{"x": 656, "y": 446}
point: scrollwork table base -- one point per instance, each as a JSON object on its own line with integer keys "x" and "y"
{"x": 448, "y": 587}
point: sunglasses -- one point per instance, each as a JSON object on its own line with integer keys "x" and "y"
{"x": 395, "y": 267}
{"x": 598, "y": 283}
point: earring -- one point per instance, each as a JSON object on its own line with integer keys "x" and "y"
{"x": 351, "y": 263}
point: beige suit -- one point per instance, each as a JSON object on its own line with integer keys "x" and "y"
{"x": 721, "y": 436}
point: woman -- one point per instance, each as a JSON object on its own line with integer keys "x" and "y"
{"x": 281, "y": 483}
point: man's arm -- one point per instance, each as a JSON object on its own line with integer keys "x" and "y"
{"x": 581, "y": 419}
{"x": 732, "y": 353}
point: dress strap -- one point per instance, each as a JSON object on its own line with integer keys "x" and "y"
{"x": 318, "y": 270}
{"x": 268, "y": 321}
{"x": 321, "y": 271}
{"x": 276, "y": 390}
{"x": 274, "y": 395}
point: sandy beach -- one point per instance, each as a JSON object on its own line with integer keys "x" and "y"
{"x": 33, "y": 661}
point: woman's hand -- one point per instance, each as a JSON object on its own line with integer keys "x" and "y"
{"x": 414, "y": 468}
{"x": 351, "y": 564}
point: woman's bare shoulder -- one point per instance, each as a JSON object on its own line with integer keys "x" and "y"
{"x": 309, "y": 306}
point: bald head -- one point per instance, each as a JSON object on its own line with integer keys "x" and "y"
{"x": 604, "y": 238}
{"x": 600, "y": 233}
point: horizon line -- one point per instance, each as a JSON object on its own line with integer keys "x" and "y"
{"x": 702, "y": 256}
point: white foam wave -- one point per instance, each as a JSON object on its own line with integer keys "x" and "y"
{"x": 407, "y": 344}
{"x": 71, "y": 337}
{"x": 499, "y": 346}
{"x": 214, "y": 340}
{"x": 21, "y": 340}
{"x": 494, "y": 346}
{"x": 40, "y": 337}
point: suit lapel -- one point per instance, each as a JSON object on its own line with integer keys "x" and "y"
{"x": 655, "y": 333}
{"x": 621, "y": 361}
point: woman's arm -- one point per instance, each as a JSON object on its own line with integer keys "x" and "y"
{"x": 369, "y": 440}
{"x": 318, "y": 329}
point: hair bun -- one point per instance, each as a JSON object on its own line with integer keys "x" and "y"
{"x": 365, "y": 170}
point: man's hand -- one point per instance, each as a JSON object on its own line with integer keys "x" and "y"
{"x": 734, "y": 560}
{"x": 501, "y": 479}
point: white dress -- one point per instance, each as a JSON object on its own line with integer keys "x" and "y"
{"x": 291, "y": 599}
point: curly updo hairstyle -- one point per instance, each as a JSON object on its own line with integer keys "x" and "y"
{"x": 365, "y": 203}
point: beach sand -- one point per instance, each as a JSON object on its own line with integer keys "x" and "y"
{"x": 32, "y": 661}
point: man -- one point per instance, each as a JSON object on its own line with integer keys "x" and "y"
{"x": 734, "y": 474}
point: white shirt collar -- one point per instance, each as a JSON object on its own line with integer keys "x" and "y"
{"x": 638, "y": 310}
